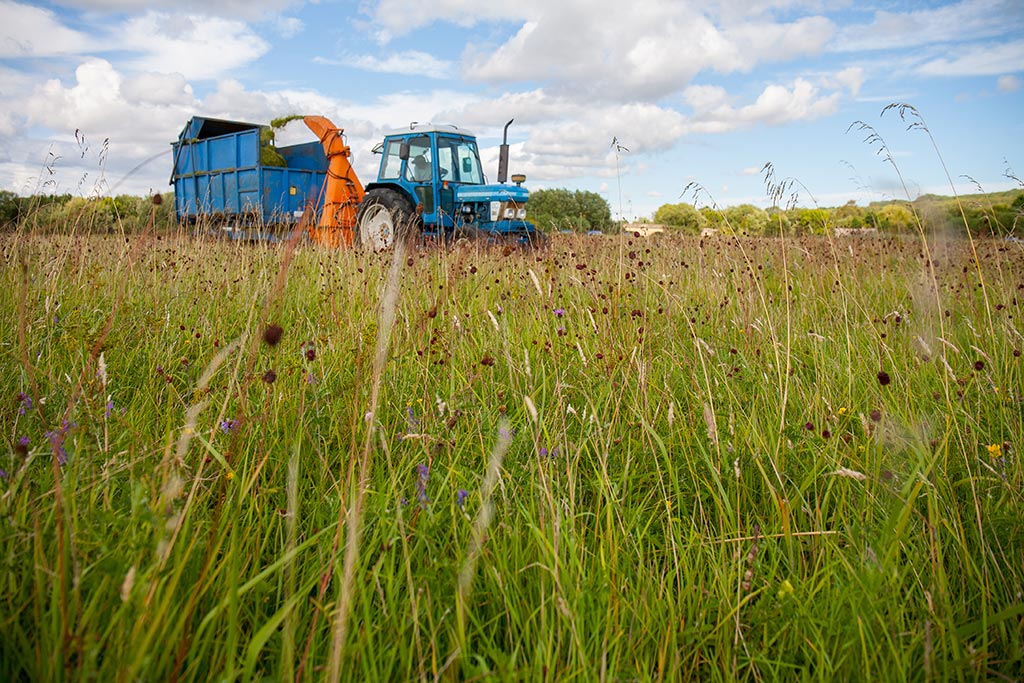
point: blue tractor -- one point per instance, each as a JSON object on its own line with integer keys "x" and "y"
{"x": 430, "y": 184}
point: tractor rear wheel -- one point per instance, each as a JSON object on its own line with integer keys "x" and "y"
{"x": 384, "y": 218}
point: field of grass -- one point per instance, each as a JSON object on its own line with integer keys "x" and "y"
{"x": 613, "y": 460}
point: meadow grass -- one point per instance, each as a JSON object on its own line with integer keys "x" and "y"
{"x": 616, "y": 459}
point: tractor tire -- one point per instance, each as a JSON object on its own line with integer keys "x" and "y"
{"x": 384, "y": 218}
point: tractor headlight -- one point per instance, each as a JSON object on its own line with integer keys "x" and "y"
{"x": 521, "y": 214}
{"x": 495, "y": 210}
{"x": 510, "y": 212}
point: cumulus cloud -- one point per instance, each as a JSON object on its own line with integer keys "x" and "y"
{"x": 647, "y": 50}
{"x": 713, "y": 111}
{"x": 195, "y": 46}
{"x": 28, "y": 31}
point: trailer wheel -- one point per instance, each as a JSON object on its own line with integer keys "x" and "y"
{"x": 384, "y": 217}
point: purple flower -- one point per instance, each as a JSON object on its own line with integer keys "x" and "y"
{"x": 110, "y": 408}
{"x": 460, "y": 498}
{"x": 26, "y": 402}
{"x": 543, "y": 452}
{"x": 410, "y": 420}
{"x": 422, "y": 474}
{"x": 228, "y": 426}
{"x": 56, "y": 439}
{"x": 559, "y": 312}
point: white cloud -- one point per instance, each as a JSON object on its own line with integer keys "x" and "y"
{"x": 978, "y": 60}
{"x": 713, "y": 111}
{"x": 197, "y": 47}
{"x": 967, "y": 20}
{"x": 287, "y": 27}
{"x": 615, "y": 51}
{"x": 28, "y": 31}
{"x": 750, "y": 170}
{"x": 409, "y": 63}
{"x": 1008, "y": 84}
{"x": 235, "y": 9}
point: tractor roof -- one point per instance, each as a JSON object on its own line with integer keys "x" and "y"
{"x": 430, "y": 128}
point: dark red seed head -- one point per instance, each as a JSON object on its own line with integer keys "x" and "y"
{"x": 272, "y": 335}
{"x": 269, "y": 376}
{"x": 883, "y": 378}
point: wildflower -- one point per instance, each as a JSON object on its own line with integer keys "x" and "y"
{"x": 21, "y": 446}
{"x": 272, "y": 334}
{"x": 3, "y": 474}
{"x": 785, "y": 589}
{"x": 26, "y": 402}
{"x": 56, "y": 438}
{"x": 883, "y": 378}
{"x": 228, "y": 426}
{"x": 422, "y": 475}
{"x": 809, "y": 426}
{"x": 310, "y": 352}
{"x": 994, "y": 450}
{"x": 559, "y": 312}
{"x": 230, "y": 475}
{"x": 979, "y": 365}
{"x": 109, "y": 409}
{"x": 460, "y": 498}
{"x": 842, "y": 411}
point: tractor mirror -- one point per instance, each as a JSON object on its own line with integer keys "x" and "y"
{"x": 403, "y": 150}
{"x": 467, "y": 165}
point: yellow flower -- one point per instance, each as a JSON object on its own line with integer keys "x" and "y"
{"x": 785, "y": 589}
{"x": 842, "y": 411}
{"x": 995, "y": 450}
{"x": 230, "y": 475}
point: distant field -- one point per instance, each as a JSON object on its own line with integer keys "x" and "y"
{"x": 617, "y": 459}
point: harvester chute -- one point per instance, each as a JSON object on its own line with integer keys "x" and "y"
{"x": 342, "y": 191}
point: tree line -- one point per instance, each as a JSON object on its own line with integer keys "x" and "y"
{"x": 560, "y": 210}
{"x": 999, "y": 213}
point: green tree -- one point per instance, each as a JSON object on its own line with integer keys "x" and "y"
{"x": 562, "y": 209}
{"x": 895, "y": 217}
{"x": 811, "y": 221}
{"x": 746, "y": 219}
{"x": 683, "y": 216}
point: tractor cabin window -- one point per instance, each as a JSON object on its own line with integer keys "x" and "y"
{"x": 392, "y": 162}
{"x": 419, "y": 167}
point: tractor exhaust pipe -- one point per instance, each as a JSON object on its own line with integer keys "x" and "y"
{"x": 503, "y": 155}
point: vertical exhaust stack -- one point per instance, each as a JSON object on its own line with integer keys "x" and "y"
{"x": 503, "y": 155}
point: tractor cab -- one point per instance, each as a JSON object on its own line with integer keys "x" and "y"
{"x": 436, "y": 170}
{"x": 430, "y": 163}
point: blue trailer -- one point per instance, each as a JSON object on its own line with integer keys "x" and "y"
{"x": 219, "y": 177}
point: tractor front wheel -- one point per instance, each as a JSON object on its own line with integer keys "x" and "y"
{"x": 384, "y": 218}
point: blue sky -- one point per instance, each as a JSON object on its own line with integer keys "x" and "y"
{"x": 93, "y": 91}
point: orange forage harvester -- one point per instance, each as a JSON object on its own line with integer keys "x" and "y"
{"x": 342, "y": 192}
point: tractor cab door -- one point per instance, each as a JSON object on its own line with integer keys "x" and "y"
{"x": 419, "y": 173}
{"x": 458, "y": 163}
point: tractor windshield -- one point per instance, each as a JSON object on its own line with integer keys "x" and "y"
{"x": 459, "y": 161}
